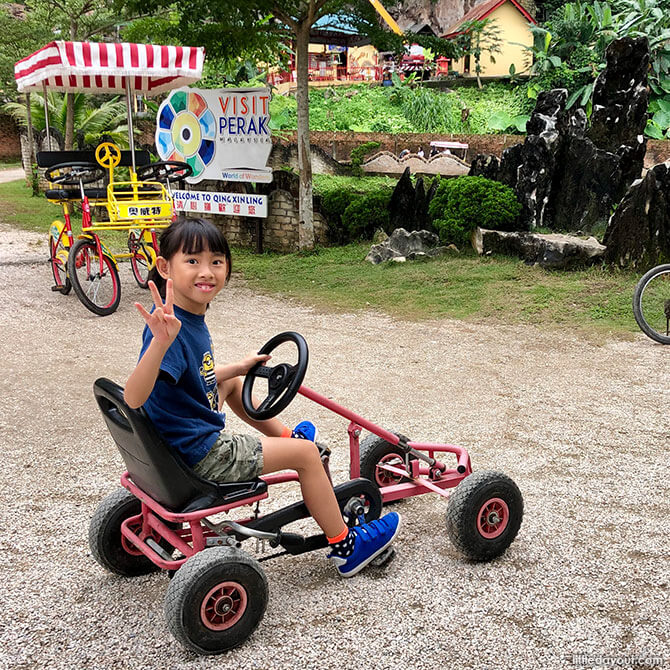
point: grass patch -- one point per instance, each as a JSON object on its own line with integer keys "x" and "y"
{"x": 479, "y": 290}
{"x": 490, "y": 290}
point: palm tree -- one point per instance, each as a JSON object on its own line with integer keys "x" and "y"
{"x": 94, "y": 121}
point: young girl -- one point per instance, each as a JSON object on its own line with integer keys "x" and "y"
{"x": 183, "y": 391}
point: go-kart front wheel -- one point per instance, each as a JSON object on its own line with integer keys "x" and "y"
{"x": 375, "y": 451}
{"x": 484, "y": 515}
{"x": 216, "y": 600}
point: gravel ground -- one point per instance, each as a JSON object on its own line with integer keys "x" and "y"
{"x": 581, "y": 426}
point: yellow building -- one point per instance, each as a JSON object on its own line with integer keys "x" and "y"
{"x": 512, "y": 22}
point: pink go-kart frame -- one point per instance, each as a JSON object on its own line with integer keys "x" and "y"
{"x": 163, "y": 517}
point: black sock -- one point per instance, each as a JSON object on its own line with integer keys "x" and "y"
{"x": 344, "y": 548}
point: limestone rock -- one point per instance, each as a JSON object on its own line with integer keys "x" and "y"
{"x": 549, "y": 251}
{"x": 565, "y": 176}
{"x": 415, "y": 245}
{"x": 638, "y": 234}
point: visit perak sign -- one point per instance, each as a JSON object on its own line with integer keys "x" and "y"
{"x": 222, "y": 133}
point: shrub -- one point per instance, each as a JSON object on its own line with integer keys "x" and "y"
{"x": 462, "y": 204}
{"x": 366, "y": 214}
{"x": 358, "y": 154}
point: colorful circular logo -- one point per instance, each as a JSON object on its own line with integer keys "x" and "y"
{"x": 186, "y": 131}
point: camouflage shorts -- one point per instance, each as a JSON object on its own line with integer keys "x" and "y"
{"x": 232, "y": 458}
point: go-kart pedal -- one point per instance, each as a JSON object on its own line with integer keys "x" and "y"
{"x": 385, "y": 557}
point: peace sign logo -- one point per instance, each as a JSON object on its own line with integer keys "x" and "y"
{"x": 108, "y": 155}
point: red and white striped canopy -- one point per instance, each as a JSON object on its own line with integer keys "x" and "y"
{"x": 97, "y": 67}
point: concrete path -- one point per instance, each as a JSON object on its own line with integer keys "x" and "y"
{"x": 11, "y": 174}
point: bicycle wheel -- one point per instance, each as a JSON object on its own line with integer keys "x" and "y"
{"x": 99, "y": 291}
{"x": 58, "y": 260}
{"x": 142, "y": 259}
{"x": 651, "y": 304}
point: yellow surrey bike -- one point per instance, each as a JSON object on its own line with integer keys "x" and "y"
{"x": 141, "y": 205}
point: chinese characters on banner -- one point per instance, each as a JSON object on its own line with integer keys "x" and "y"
{"x": 231, "y": 204}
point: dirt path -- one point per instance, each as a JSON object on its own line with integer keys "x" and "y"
{"x": 12, "y": 174}
{"x": 582, "y": 428}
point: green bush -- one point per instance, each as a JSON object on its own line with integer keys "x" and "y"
{"x": 366, "y": 214}
{"x": 358, "y": 154}
{"x": 462, "y": 204}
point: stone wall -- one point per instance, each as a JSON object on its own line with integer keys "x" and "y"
{"x": 10, "y": 147}
{"x": 280, "y": 228}
{"x": 339, "y": 144}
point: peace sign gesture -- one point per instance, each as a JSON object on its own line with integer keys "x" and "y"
{"x": 162, "y": 322}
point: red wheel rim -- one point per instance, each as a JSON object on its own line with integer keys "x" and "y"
{"x": 384, "y": 477}
{"x": 223, "y": 606}
{"x": 493, "y": 518}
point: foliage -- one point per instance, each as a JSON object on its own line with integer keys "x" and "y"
{"x": 365, "y": 108}
{"x": 479, "y": 36}
{"x": 464, "y": 203}
{"x": 92, "y": 118}
{"x": 366, "y": 214}
{"x": 358, "y": 154}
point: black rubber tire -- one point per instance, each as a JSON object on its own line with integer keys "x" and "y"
{"x": 195, "y": 580}
{"x": 84, "y": 247}
{"x": 139, "y": 262}
{"x": 104, "y": 535}
{"x": 371, "y": 450}
{"x": 58, "y": 271}
{"x": 465, "y": 504}
{"x": 638, "y": 308}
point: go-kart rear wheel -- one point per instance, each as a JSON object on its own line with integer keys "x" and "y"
{"x": 108, "y": 546}
{"x": 484, "y": 515}
{"x": 216, "y": 600}
{"x": 374, "y": 451}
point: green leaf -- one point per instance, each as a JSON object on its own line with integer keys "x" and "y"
{"x": 501, "y": 120}
{"x": 520, "y": 122}
{"x": 586, "y": 95}
{"x": 555, "y": 61}
{"x": 573, "y": 97}
{"x": 652, "y": 130}
{"x": 664, "y": 103}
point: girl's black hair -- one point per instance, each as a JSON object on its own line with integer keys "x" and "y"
{"x": 191, "y": 236}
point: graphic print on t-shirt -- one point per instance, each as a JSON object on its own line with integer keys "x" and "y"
{"x": 207, "y": 373}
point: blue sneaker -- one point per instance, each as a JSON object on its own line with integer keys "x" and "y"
{"x": 305, "y": 430}
{"x": 370, "y": 540}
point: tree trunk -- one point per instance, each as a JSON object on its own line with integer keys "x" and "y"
{"x": 69, "y": 121}
{"x": 306, "y": 210}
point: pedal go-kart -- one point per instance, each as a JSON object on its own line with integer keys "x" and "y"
{"x": 162, "y": 517}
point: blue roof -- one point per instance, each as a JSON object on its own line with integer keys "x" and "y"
{"x": 334, "y": 22}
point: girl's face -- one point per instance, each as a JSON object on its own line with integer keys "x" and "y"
{"x": 196, "y": 278}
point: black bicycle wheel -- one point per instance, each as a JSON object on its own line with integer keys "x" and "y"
{"x": 651, "y": 304}
{"x": 141, "y": 259}
{"x": 98, "y": 288}
{"x": 57, "y": 260}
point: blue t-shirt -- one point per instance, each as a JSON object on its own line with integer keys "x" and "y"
{"x": 185, "y": 399}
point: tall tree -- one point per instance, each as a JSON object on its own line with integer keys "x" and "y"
{"x": 239, "y": 28}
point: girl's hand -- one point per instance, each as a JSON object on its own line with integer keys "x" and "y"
{"x": 249, "y": 361}
{"x": 162, "y": 322}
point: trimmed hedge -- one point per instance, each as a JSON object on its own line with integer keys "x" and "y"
{"x": 463, "y": 203}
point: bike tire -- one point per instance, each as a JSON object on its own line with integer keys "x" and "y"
{"x": 58, "y": 269}
{"x": 649, "y": 313}
{"x": 141, "y": 261}
{"x": 87, "y": 281}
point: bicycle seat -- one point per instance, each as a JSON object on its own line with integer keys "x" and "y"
{"x": 154, "y": 466}
{"x": 75, "y": 194}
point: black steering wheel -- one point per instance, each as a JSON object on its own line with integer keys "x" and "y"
{"x": 283, "y": 380}
{"x": 80, "y": 173}
{"x": 164, "y": 171}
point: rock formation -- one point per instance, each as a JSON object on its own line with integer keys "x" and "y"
{"x": 571, "y": 178}
{"x": 550, "y": 251}
{"x": 407, "y": 246}
{"x": 409, "y": 204}
{"x": 638, "y": 234}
